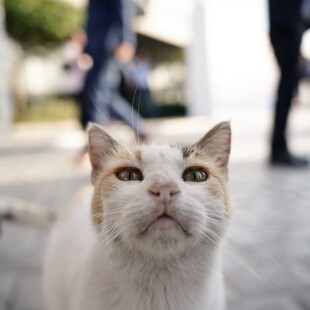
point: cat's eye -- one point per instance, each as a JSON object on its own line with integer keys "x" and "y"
{"x": 195, "y": 175}
{"x": 129, "y": 174}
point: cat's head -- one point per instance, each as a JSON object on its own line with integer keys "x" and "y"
{"x": 160, "y": 199}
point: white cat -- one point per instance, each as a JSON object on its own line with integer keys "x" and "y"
{"x": 149, "y": 236}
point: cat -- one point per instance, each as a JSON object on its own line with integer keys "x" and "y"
{"x": 150, "y": 234}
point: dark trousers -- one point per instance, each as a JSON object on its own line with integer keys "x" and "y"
{"x": 286, "y": 44}
{"x": 87, "y": 95}
{"x": 100, "y": 99}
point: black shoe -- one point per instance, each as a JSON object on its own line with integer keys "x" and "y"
{"x": 288, "y": 160}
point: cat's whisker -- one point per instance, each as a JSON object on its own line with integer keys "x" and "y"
{"x": 245, "y": 229}
{"x": 212, "y": 236}
{"x": 261, "y": 250}
{"x": 242, "y": 226}
{"x": 112, "y": 212}
{"x": 138, "y": 124}
{"x": 257, "y": 226}
{"x": 266, "y": 254}
{"x": 132, "y": 108}
{"x": 105, "y": 213}
{"x": 216, "y": 212}
{"x": 100, "y": 112}
{"x": 111, "y": 235}
{"x": 241, "y": 259}
{"x": 105, "y": 235}
{"x": 221, "y": 223}
{"x": 124, "y": 145}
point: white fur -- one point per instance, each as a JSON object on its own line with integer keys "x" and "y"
{"x": 116, "y": 267}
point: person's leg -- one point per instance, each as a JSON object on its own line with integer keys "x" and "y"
{"x": 108, "y": 96}
{"x": 91, "y": 86}
{"x": 89, "y": 109}
{"x": 286, "y": 44}
{"x": 127, "y": 114}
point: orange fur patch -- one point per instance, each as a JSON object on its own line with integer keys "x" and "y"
{"x": 96, "y": 209}
{"x": 102, "y": 189}
{"x": 218, "y": 188}
{"x": 105, "y": 185}
{"x": 138, "y": 155}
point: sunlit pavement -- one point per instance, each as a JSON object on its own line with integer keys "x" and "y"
{"x": 267, "y": 260}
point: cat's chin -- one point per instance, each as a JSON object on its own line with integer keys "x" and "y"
{"x": 163, "y": 237}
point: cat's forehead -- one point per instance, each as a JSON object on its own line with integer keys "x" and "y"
{"x": 161, "y": 154}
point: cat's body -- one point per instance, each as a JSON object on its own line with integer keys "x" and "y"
{"x": 152, "y": 238}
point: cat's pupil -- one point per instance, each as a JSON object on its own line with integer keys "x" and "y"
{"x": 129, "y": 174}
{"x": 195, "y": 175}
{"x": 134, "y": 176}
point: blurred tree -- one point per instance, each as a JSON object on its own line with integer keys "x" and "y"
{"x": 41, "y": 22}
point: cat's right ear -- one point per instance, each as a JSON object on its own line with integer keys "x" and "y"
{"x": 216, "y": 143}
{"x": 100, "y": 146}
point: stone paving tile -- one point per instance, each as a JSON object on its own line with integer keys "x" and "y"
{"x": 21, "y": 252}
{"x": 48, "y": 177}
{"x": 274, "y": 302}
{"x": 302, "y": 295}
{"x": 21, "y": 247}
{"x": 8, "y": 288}
{"x": 29, "y": 292}
{"x": 52, "y": 194}
{"x": 270, "y": 235}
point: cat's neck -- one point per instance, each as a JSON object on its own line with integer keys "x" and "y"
{"x": 182, "y": 282}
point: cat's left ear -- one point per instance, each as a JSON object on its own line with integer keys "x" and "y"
{"x": 216, "y": 143}
{"x": 100, "y": 146}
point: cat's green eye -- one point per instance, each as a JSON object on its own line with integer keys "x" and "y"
{"x": 129, "y": 174}
{"x": 195, "y": 175}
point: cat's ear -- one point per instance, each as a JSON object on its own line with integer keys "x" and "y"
{"x": 216, "y": 143}
{"x": 100, "y": 146}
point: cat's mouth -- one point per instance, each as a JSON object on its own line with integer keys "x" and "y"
{"x": 164, "y": 218}
{"x": 165, "y": 222}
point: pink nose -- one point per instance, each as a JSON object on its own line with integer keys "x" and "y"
{"x": 164, "y": 191}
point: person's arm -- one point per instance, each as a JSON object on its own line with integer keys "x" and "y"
{"x": 125, "y": 13}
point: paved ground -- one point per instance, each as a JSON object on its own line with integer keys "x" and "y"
{"x": 268, "y": 258}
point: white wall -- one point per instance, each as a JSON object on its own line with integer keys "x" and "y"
{"x": 230, "y": 63}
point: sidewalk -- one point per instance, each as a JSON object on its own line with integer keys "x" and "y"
{"x": 268, "y": 257}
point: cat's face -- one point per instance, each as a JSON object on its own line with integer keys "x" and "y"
{"x": 160, "y": 199}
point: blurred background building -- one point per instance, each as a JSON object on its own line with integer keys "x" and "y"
{"x": 6, "y": 109}
{"x": 198, "y": 49}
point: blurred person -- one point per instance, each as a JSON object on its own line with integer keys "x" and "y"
{"x": 76, "y": 63}
{"x": 111, "y": 45}
{"x": 135, "y": 84}
{"x": 286, "y": 29}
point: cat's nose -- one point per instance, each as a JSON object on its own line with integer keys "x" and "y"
{"x": 164, "y": 191}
